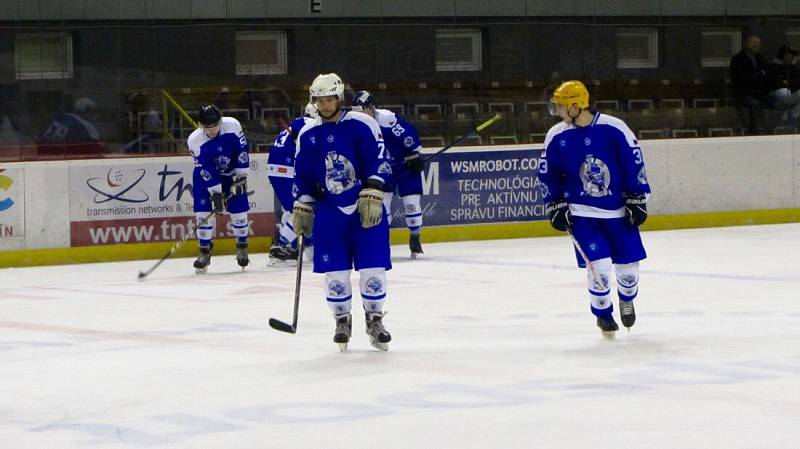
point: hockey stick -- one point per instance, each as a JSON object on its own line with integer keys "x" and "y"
{"x": 585, "y": 258}
{"x": 278, "y": 324}
{"x": 472, "y": 133}
{"x": 178, "y": 244}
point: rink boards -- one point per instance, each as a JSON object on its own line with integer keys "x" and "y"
{"x": 120, "y": 209}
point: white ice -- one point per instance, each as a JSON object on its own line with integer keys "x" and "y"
{"x": 494, "y": 347}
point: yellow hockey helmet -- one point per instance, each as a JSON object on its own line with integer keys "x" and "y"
{"x": 569, "y": 93}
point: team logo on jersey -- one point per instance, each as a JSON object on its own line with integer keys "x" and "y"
{"x": 374, "y": 286}
{"x": 244, "y": 159}
{"x": 205, "y": 175}
{"x": 408, "y": 141}
{"x": 385, "y": 168}
{"x": 330, "y": 138}
{"x": 587, "y": 141}
{"x": 545, "y": 189}
{"x": 595, "y": 177}
{"x": 340, "y": 176}
{"x": 222, "y": 163}
{"x": 563, "y": 142}
{"x": 642, "y": 176}
{"x": 336, "y": 288}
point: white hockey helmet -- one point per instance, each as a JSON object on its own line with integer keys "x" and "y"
{"x": 310, "y": 110}
{"x": 326, "y": 85}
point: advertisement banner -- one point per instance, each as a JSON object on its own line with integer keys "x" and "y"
{"x": 474, "y": 186}
{"x": 12, "y": 203}
{"x": 133, "y": 201}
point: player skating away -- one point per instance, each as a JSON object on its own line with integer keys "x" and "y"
{"x": 280, "y": 171}
{"x": 340, "y": 170}
{"x": 219, "y": 182}
{"x": 594, "y": 184}
{"x": 403, "y": 149}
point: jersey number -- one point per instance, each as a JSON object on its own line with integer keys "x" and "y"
{"x": 637, "y": 154}
{"x": 398, "y": 130}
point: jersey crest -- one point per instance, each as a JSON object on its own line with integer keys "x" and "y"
{"x": 595, "y": 177}
{"x": 340, "y": 175}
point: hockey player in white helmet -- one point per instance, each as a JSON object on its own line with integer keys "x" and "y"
{"x": 340, "y": 170}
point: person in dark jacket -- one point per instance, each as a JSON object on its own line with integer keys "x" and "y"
{"x": 784, "y": 80}
{"x": 749, "y": 78}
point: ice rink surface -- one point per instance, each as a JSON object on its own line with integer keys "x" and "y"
{"x": 494, "y": 346}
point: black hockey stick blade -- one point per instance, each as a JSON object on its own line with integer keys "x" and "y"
{"x": 279, "y": 325}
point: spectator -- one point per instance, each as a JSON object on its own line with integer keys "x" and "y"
{"x": 784, "y": 80}
{"x": 73, "y": 133}
{"x": 749, "y": 77}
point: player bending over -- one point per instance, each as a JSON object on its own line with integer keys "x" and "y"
{"x": 219, "y": 181}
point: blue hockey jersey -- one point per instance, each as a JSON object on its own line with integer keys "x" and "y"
{"x": 400, "y": 137}
{"x": 335, "y": 159}
{"x": 280, "y": 162}
{"x": 592, "y": 167}
{"x": 226, "y": 155}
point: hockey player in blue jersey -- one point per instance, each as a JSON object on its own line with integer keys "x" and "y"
{"x": 594, "y": 184}
{"x": 340, "y": 170}
{"x": 280, "y": 171}
{"x": 219, "y": 182}
{"x": 403, "y": 149}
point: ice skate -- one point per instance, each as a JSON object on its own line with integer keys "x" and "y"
{"x": 608, "y": 327}
{"x": 627, "y": 313}
{"x": 415, "y": 246}
{"x": 203, "y": 260}
{"x": 241, "y": 254}
{"x": 379, "y": 337}
{"x": 282, "y": 255}
{"x": 344, "y": 328}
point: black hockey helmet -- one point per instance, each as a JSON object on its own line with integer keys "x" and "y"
{"x": 364, "y": 99}
{"x": 209, "y": 115}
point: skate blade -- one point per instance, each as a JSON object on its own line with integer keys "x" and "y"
{"x": 415, "y": 255}
{"x": 378, "y": 345}
{"x": 609, "y": 335}
{"x": 281, "y": 263}
{"x": 203, "y": 270}
{"x": 342, "y": 347}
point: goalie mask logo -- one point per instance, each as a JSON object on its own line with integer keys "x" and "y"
{"x": 340, "y": 176}
{"x": 595, "y": 177}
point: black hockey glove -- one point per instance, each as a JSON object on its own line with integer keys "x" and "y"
{"x": 415, "y": 163}
{"x": 239, "y": 186}
{"x": 218, "y": 203}
{"x": 559, "y": 215}
{"x": 636, "y": 209}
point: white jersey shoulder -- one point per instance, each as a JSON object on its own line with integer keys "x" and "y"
{"x": 614, "y": 122}
{"x": 367, "y": 120}
{"x": 385, "y": 118}
{"x": 230, "y": 125}
{"x": 555, "y": 130}
{"x": 196, "y": 139}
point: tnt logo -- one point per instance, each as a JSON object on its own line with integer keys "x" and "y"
{"x": 5, "y": 185}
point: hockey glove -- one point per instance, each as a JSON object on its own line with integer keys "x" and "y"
{"x": 370, "y": 204}
{"x": 415, "y": 163}
{"x": 636, "y": 209}
{"x": 302, "y": 218}
{"x": 239, "y": 186}
{"x": 218, "y": 203}
{"x": 559, "y": 215}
